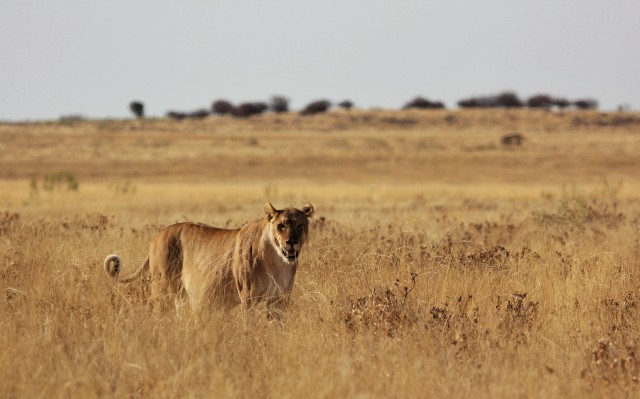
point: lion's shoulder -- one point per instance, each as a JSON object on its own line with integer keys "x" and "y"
{"x": 253, "y": 231}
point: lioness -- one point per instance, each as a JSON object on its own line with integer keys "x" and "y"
{"x": 255, "y": 263}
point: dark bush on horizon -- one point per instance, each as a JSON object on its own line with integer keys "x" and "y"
{"x": 561, "y": 103}
{"x": 222, "y": 107}
{"x": 547, "y": 102}
{"x": 505, "y": 99}
{"x": 279, "y": 104}
{"x": 137, "y": 108}
{"x": 508, "y": 99}
{"x": 177, "y": 115}
{"x": 472, "y": 102}
{"x": 198, "y": 114}
{"x": 541, "y": 101}
{"x": 346, "y": 104}
{"x": 586, "y": 103}
{"x": 246, "y": 110}
{"x": 316, "y": 107}
{"x": 423, "y": 103}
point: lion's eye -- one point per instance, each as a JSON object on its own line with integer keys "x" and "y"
{"x": 280, "y": 226}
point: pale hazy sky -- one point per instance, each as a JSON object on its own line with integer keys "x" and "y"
{"x": 94, "y": 57}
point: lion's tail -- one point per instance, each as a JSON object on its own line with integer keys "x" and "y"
{"x": 114, "y": 271}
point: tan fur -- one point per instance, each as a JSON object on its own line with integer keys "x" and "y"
{"x": 255, "y": 263}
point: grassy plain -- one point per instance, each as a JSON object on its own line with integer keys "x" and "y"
{"x": 441, "y": 262}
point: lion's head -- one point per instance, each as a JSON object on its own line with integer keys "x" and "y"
{"x": 288, "y": 229}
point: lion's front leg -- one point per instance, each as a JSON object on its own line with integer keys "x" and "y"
{"x": 246, "y": 301}
{"x": 244, "y": 284}
{"x": 243, "y": 273}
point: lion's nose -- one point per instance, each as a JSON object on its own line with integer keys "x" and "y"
{"x": 291, "y": 241}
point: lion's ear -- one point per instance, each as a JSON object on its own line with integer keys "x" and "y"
{"x": 307, "y": 209}
{"x": 270, "y": 211}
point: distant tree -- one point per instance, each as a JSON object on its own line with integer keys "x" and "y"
{"x": 586, "y": 103}
{"x": 176, "y": 115}
{"x": 222, "y": 107}
{"x": 246, "y": 110}
{"x": 546, "y": 101}
{"x": 479, "y": 102}
{"x": 423, "y": 103}
{"x": 540, "y": 101}
{"x": 279, "y": 104}
{"x": 561, "y": 103}
{"x": 508, "y": 99}
{"x": 316, "y": 107}
{"x": 346, "y": 104}
{"x": 472, "y": 102}
{"x": 198, "y": 114}
{"x": 137, "y": 108}
{"x": 505, "y": 99}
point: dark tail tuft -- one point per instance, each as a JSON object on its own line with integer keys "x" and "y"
{"x": 112, "y": 270}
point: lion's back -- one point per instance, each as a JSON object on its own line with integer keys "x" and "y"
{"x": 195, "y": 257}
{"x": 187, "y": 244}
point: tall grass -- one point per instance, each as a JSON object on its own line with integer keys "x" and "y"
{"x": 441, "y": 263}
{"x": 395, "y": 297}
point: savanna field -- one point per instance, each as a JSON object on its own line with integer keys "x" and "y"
{"x": 442, "y": 262}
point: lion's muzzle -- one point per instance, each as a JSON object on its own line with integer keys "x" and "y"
{"x": 290, "y": 254}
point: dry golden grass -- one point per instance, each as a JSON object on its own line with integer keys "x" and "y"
{"x": 441, "y": 263}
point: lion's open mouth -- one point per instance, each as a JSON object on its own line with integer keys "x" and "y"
{"x": 291, "y": 254}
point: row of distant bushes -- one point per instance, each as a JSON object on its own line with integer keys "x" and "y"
{"x": 277, "y": 104}
{"x": 507, "y": 99}
{"x": 511, "y": 100}
{"x": 280, "y": 104}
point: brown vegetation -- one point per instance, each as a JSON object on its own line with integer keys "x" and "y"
{"x": 423, "y": 103}
{"x": 439, "y": 263}
{"x": 137, "y": 108}
{"x": 316, "y": 107}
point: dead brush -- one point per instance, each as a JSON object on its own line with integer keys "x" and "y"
{"x": 493, "y": 258}
{"x": 476, "y": 245}
{"x": 624, "y": 313}
{"x": 613, "y": 362}
{"x": 7, "y": 221}
{"x": 492, "y": 233}
{"x": 615, "y": 359}
{"x": 135, "y": 292}
{"x": 94, "y": 222}
{"x": 459, "y": 327}
{"x": 517, "y": 317}
{"x": 139, "y": 291}
{"x": 389, "y": 311}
